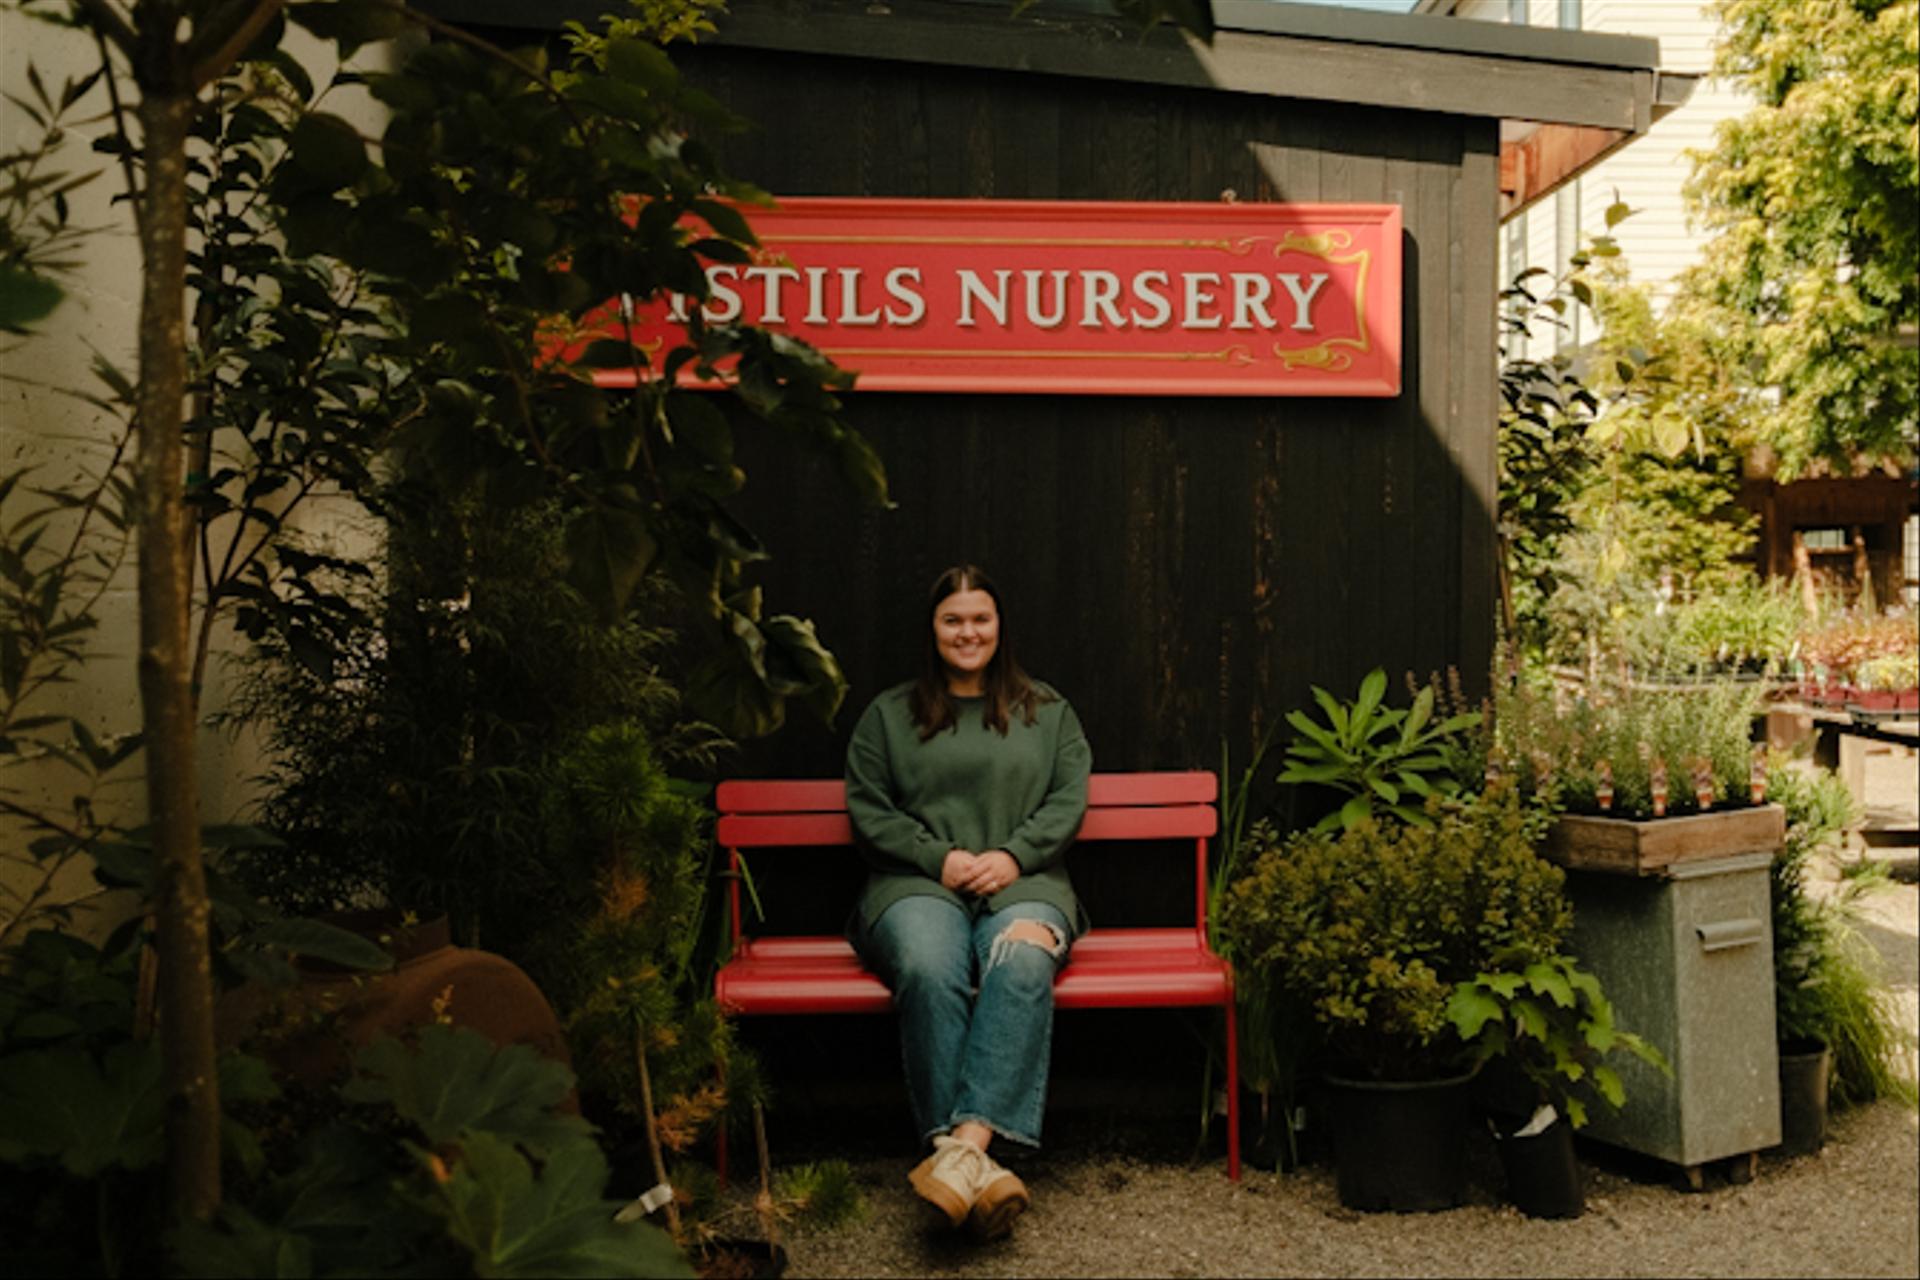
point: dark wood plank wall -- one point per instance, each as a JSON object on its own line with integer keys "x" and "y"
{"x": 1180, "y": 568}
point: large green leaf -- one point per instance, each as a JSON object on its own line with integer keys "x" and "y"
{"x": 864, "y": 471}
{"x": 1547, "y": 979}
{"x": 240, "y": 1246}
{"x": 1316, "y": 733}
{"x": 608, "y": 552}
{"x": 1470, "y": 1009}
{"x": 1295, "y": 772}
{"x": 553, "y": 1223}
{"x": 1607, "y": 1081}
{"x": 793, "y": 648}
{"x": 327, "y": 150}
{"x": 456, "y": 1083}
{"x": 1336, "y": 714}
{"x": 1372, "y": 689}
{"x": 91, "y": 1115}
{"x": 643, "y": 63}
{"x": 319, "y": 940}
{"x": 1418, "y": 716}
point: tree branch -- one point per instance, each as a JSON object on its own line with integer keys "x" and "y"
{"x": 106, "y": 21}
{"x": 492, "y": 50}
{"x": 120, "y": 130}
{"x": 217, "y": 63}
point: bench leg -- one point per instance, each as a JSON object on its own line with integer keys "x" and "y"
{"x": 1233, "y": 1096}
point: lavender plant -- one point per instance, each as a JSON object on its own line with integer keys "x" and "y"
{"x": 1610, "y": 745}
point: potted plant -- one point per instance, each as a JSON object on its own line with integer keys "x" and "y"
{"x": 1619, "y": 756}
{"x": 1665, "y": 820}
{"x": 1360, "y": 937}
{"x": 1385, "y": 759}
{"x": 1837, "y": 1039}
{"x": 1855, "y": 659}
{"x": 1888, "y": 683}
{"x": 1551, "y": 1021}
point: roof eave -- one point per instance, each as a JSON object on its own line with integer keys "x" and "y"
{"x": 1553, "y": 155}
{"x": 1589, "y": 93}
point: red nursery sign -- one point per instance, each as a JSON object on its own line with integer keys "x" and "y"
{"x": 1072, "y": 297}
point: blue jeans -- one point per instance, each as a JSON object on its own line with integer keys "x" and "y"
{"x": 970, "y": 1057}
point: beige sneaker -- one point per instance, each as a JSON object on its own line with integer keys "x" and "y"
{"x": 966, "y": 1185}
{"x": 1000, "y": 1202}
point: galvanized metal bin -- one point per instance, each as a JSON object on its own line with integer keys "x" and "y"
{"x": 1686, "y": 957}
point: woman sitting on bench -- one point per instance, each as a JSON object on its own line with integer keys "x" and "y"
{"x": 966, "y": 787}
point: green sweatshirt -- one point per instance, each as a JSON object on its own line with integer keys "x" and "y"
{"x": 912, "y": 802}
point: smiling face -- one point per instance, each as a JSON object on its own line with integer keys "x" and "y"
{"x": 966, "y": 631}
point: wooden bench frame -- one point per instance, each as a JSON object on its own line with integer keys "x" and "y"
{"x": 1117, "y": 968}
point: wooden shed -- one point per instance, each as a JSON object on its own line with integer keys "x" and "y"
{"x": 1182, "y": 568}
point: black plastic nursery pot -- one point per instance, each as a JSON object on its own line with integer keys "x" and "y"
{"x": 1543, "y": 1174}
{"x": 1805, "y": 1069}
{"x": 1399, "y": 1146}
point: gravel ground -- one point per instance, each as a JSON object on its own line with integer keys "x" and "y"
{"x": 1122, "y": 1196}
{"x": 1850, "y": 1211}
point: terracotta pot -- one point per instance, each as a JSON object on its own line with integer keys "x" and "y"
{"x": 333, "y": 1011}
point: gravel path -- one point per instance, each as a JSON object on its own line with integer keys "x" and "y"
{"x": 1852, "y": 1210}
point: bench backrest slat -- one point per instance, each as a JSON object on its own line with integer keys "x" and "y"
{"x": 775, "y": 830}
{"x": 829, "y": 795}
{"x": 812, "y": 813}
{"x": 814, "y": 830}
{"x": 784, "y": 795}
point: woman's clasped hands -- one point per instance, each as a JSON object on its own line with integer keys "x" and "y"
{"x": 983, "y": 874}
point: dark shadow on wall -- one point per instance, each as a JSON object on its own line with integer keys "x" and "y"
{"x": 1180, "y": 568}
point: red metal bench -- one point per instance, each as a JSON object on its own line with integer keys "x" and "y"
{"x": 1107, "y": 969}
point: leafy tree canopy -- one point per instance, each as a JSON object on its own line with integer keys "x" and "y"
{"x": 1814, "y": 269}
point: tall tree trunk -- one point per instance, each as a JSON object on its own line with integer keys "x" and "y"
{"x": 166, "y": 661}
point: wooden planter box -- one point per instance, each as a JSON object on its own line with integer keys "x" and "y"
{"x": 1650, "y": 848}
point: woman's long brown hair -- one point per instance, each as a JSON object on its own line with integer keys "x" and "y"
{"x": 1005, "y": 685}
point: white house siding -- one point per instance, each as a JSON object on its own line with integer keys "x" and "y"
{"x": 1649, "y": 174}
{"x": 63, "y": 439}
{"x": 1659, "y": 241}
{"x": 44, "y": 427}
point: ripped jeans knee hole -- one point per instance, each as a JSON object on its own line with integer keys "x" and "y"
{"x": 1033, "y": 933}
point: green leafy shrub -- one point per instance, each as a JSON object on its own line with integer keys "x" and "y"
{"x": 409, "y": 758}
{"x": 1362, "y": 936}
{"x": 625, "y": 972}
{"x": 451, "y": 1157}
{"x": 1551, "y": 1019}
{"x": 1380, "y": 756}
{"x": 1739, "y": 624}
{"x": 440, "y": 1155}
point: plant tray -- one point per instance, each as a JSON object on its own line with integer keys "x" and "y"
{"x": 1652, "y": 847}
